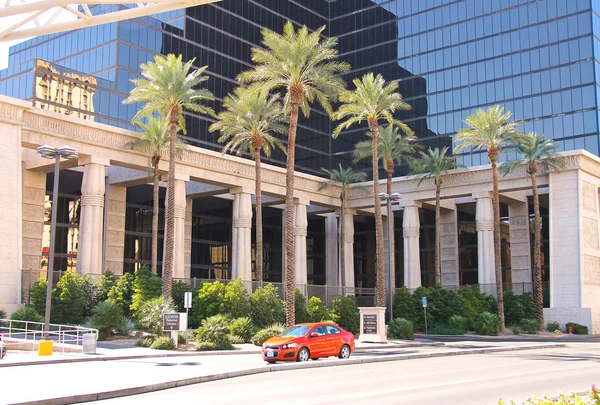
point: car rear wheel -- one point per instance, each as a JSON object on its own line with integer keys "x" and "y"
{"x": 303, "y": 355}
{"x": 271, "y": 362}
{"x": 344, "y": 352}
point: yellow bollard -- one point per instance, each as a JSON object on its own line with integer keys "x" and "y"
{"x": 45, "y": 348}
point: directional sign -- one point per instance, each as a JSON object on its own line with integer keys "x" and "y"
{"x": 424, "y": 302}
{"x": 187, "y": 299}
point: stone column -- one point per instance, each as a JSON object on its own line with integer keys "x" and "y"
{"x": 91, "y": 227}
{"x": 348, "y": 217}
{"x": 300, "y": 232}
{"x": 34, "y": 197}
{"x": 449, "y": 245}
{"x": 332, "y": 256}
{"x": 410, "y": 232}
{"x": 187, "y": 270}
{"x": 115, "y": 228}
{"x": 179, "y": 226}
{"x": 520, "y": 246}
{"x": 241, "y": 235}
{"x": 484, "y": 216}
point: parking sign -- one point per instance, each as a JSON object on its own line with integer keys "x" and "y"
{"x": 424, "y": 302}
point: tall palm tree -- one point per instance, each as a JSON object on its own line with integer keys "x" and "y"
{"x": 305, "y": 65}
{"x": 246, "y": 125}
{"x": 536, "y": 151}
{"x": 371, "y": 101}
{"x": 156, "y": 140}
{"x": 343, "y": 178}
{"x": 490, "y": 129}
{"x": 168, "y": 87}
{"x": 435, "y": 164}
{"x": 393, "y": 148}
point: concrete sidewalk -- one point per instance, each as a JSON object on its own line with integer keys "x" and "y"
{"x": 70, "y": 381}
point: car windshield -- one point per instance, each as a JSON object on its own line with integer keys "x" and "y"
{"x": 295, "y": 331}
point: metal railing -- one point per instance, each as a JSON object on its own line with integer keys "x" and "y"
{"x": 34, "y": 331}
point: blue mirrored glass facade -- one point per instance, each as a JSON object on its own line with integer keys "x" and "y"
{"x": 537, "y": 58}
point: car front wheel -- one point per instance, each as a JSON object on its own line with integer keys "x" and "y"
{"x": 344, "y": 352}
{"x": 303, "y": 355}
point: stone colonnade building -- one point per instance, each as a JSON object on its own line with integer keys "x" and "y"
{"x": 104, "y": 216}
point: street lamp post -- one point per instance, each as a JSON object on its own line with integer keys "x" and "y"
{"x": 388, "y": 274}
{"x": 50, "y": 152}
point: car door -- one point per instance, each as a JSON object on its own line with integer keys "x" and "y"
{"x": 318, "y": 342}
{"x": 334, "y": 340}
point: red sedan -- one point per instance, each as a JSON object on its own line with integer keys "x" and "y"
{"x": 309, "y": 341}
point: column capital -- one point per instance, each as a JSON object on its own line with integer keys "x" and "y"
{"x": 301, "y": 201}
{"x": 482, "y": 194}
{"x": 86, "y": 160}
{"x": 241, "y": 190}
{"x": 348, "y": 211}
{"x": 410, "y": 203}
{"x": 178, "y": 176}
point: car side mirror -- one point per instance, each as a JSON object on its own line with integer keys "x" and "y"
{"x": 314, "y": 334}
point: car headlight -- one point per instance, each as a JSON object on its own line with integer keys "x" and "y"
{"x": 289, "y": 346}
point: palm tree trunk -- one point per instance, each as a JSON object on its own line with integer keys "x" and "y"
{"x": 537, "y": 246}
{"x": 170, "y": 214}
{"x": 343, "y": 244}
{"x": 155, "y": 210}
{"x": 497, "y": 239}
{"x": 289, "y": 217}
{"x": 391, "y": 233}
{"x": 380, "y": 274}
{"x": 438, "y": 269}
{"x": 258, "y": 267}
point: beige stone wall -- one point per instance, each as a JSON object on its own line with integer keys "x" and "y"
{"x": 115, "y": 228}
{"x": 520, "y": 245}
{"x": 10, "y": 217}
{"x": 449, "y": 246}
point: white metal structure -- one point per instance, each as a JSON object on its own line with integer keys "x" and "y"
{"x": 29, "y": 18}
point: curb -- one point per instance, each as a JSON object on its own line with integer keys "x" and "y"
{"x": 190, "y": 354}
{"x": 266, "y": 369}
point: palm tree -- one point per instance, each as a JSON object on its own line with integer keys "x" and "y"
{"x": 536, "y": 151}
{"x": 343, "y": 178}
{"x": 156, "y": 139}
{"x": 371, "y": 101}
{"x": 168, "y": 87}
{"x": 305, "y": 65}
{"x": 434, "y": 163}
{"x": 246, "y": 125}
{"x": 491, "y": 129}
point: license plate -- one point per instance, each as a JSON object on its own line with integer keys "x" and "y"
{"x": 270, "y": 354}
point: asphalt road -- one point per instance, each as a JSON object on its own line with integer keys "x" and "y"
{"x": 463, "y": 380}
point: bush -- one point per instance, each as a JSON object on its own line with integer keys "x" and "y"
{"x": 208, "y": 302}
{"x": 577, "y": 328}
{"x": 107, "y": 281}
{"x": 487, "y": 324}
{"x": 243, "y": 328}
{"x": 122, "y": 291}
{"x": 592, "y": 397}
{"x": 516, "y": 330}
{"x": 178, "y": 290}
{"x": 236, "y": 340}
{"x": 459, "y": 323}
{"x": 403, "y": 304}
{"x": 401, "y": 328}
{"x": 474, "y": 302}
{"x": 163, "y": 343}
{"x": 317, "y": 311}
{"x": 441, "y": 306}
{"x": 530, "y": 326}
{"x": 518, "y": 307}
{"x": 301, "y": 313}
{"x": 146, "y": 341}
{"x": 106, "y": 316}
{"x": 344, "y": 312}
{"x": 37, "y": 295}
{"x": 183, "y": 337}
{"x": 266, "y": 307}
{"x": 146, "y": 286}
{"x": 446, "y": 330}
{"x": 553, "y": 326}
{"x": 214, "y": 329}
{"x": 264, "y": 334}
{"x": 206, "y": 346}
{"x": 26, "y": 313}
{"x": 2, "y": 314}
{"x": 151, "y": 312}
{"x": 126, "y": 326}
{"x": 73, "y": 299}
{"x": 236, "y": 302}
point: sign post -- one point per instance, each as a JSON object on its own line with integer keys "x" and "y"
{"x": 174, "y": 322}
{"x": 425, "y": 311}
{"x": 187, "y": 304}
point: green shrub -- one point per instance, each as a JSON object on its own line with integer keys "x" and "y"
{"x": 146, "y": 341}
{"x": 518, "y": 307}
{"x": 236, "y": 302}
{"x": 122, "y": 291}
{"x": 2, "y": 314}
{"x": 401, "y": 328}
{"x": 150, "y": 314}
{"x": 146, "y": 286}
{"x": 214, "y": 329}
{"x": 126, "y": 326}
{"x": 417, "y": 303}
{"x": 344, "y": 312}
{"x": 107, "y": 281}
{"x": 26, "y": 313}
{"x": 487, "y": 324}
{"x": 301, "y": 314}
{"x": 590, "y": 398}
{"x": 264, "y": 334}
{"x": 530, "y": 326}
{"x": 178, "y": 291}
{"x": 577, "y": 328}
{"x": 106, "y": 316}
{"x": 446, "y": 330}
{"x": 441, "y": 306}
{"x": 243, "y": 328}
{"x": 404, "y": 306}
{"x": 73, "y": 299}
{"x": 183, "y": 337}
{"x": 37, "y": 295}
{"x": 266, "y": 307}
{"x": 236, "y": 340}
{"x": 474, "y": 302}
{"x": 553, "y": 326}
{"x": 206, "y": 346}
{"x": 208, "y": 302}
{"x": 316, "y": 309}
{"x": 163, "y": 343}
{"x": 516, "y": 329}
{"x": 459, "y": 323}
